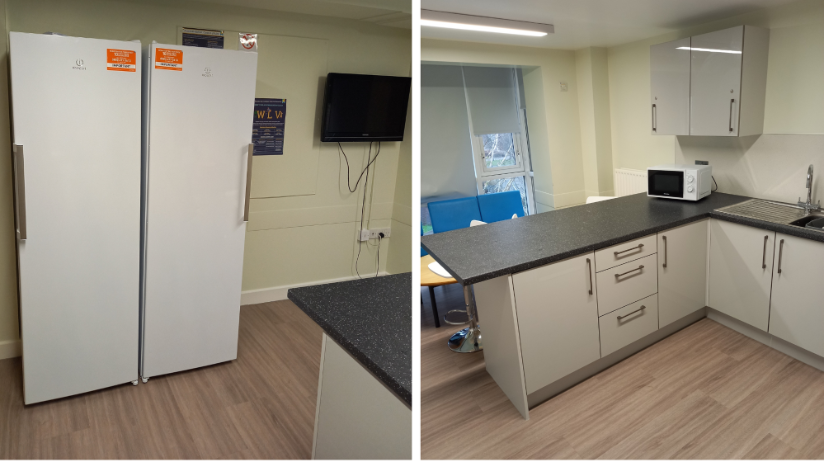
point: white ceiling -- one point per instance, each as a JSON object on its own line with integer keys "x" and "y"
{"x": 585, "y": 23}
{"x": 393, "y": 13}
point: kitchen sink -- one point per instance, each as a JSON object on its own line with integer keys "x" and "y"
{"x": 774, "y": 212}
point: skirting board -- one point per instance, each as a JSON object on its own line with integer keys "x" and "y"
{"x": 539, "y": 396}
{"x": 10, "y": 349}
{"x": 770, "y": 340}
{"x": 274, "y": 294}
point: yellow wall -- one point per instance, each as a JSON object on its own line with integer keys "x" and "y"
{"x": 555, "y": 142}
{"x": 593, "y": 103}
{"x": 291, "y": 240}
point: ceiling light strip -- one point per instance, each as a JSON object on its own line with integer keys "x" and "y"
{"x": 711, "y": 50}
{"x": 467, "y": 22}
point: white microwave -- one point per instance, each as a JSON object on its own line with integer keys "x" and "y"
{"x": 683, "y": 182}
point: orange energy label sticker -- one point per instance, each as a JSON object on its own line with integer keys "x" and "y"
{"x": 121, "y": 60}
{"x": 166, "y": 58}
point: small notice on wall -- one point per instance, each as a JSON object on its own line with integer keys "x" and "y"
{"x": 204, "y": 38}
{"x": 269, "y": 126}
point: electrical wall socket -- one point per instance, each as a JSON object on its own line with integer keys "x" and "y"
{"x": 367, "y": 234}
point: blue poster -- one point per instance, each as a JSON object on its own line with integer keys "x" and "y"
{"x": 269, "y": 125}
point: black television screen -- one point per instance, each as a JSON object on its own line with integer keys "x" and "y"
{"x": 364, "y": 107}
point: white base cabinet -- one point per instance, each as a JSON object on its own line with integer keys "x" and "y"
{"x": 797, "y": 311}
{"x": 741, "y": 262}
{"x": 682, "y": 271}
{"x": 557, "y": 319}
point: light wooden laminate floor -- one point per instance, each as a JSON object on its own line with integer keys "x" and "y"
{"x": 260, "y": 406}
{"x": 706, "y": 392}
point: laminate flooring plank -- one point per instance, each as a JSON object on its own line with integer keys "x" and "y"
{"x": 260, "y": 406}
{"x": 703, "y": 392}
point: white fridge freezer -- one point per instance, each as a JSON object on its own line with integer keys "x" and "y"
{"x": 198, "y": 113}
{"x": 76, "y": 134}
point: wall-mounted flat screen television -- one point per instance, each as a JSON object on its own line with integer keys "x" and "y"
{"x": 361, "y": 108}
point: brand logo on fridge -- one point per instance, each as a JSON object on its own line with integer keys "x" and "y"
{"x": 80, "y": 65}
{"x": 207, "y": 72}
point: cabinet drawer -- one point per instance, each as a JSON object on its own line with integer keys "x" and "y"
{"x": 628, "y": 324}
{"x": 627, "y": 283}
{"x": 622, "y": 253}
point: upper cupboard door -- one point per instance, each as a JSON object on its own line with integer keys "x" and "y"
{"x": 670, "y": 87}
{"x": 716, "y": 82}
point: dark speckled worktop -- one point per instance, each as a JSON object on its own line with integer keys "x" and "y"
{"x": 372, "y": 320}
{"x": 484, "y": 252}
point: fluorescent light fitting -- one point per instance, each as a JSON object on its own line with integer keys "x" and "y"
{"x": 711, "y": 50}
{"x": 441, "y": 19}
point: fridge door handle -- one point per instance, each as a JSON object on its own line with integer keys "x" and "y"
{"x": 248, "y": 182}
{"x": 19, "y": 191}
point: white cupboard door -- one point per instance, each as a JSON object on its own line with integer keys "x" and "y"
{"x": 796, "y": 311}
{"x": 715, "y": 84}
{"x": 682, "y": 271}
{"x": 557, "y": 319}
{"x": 670, "y": 87}
{"x": 741, "y": 262}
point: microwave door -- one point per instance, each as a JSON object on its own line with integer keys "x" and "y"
{"x": 665, "y": 183}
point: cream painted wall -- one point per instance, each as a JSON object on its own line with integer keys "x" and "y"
{"x": 794, "y": 99}
{"x": 555, "y": 141}
{"x": 400, "y": 246}
{"x": 593, "y": 104}
{"x": 290, "y": 240}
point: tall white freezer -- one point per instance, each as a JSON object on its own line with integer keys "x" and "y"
{"x": 76, "y": 134}
{"x": 198, "y": 113}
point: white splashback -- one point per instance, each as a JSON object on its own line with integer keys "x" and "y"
{"x": 766, "y": 166}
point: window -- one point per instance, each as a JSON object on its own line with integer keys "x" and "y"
{"x": 499, "y": 151}
{"x": 508, "y": 183}
{"x": 500, "y": 165}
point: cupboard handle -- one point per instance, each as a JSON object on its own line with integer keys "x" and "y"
{"x": 20, "y": 191}
{"x": 665, "y": 250}
{"x": 248, "y": 182}
{"x": 638, "y": 247}
{"x": 780, "y": 252}
{"x": 630, "y": 271}
{"x": 630, "y": 314}
{"x": 732, "y": 101}
{"x": 654, "y": 118}
{"x": 589, "y": 267}
{"x": 764, "y": 255}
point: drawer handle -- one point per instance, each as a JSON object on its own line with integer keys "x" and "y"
{"x": 630, "y": 314}
{"x": 630, "y": 271}
{"x": 638, "y": 247}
